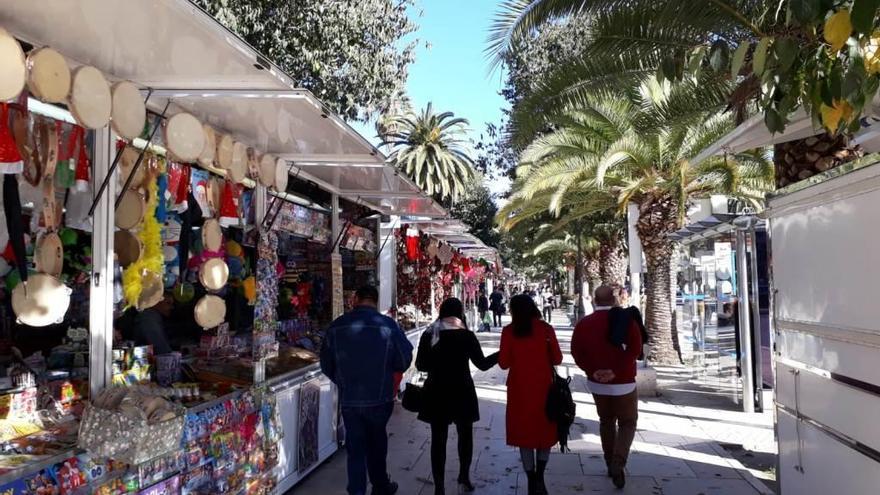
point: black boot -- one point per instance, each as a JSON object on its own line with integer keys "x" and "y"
{"x": 532, "y": 483}
{"x": 464, "y": 484}
{"x": 540, "y": 487}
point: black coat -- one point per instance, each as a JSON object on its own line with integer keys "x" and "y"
{"x": 449, "y": 392}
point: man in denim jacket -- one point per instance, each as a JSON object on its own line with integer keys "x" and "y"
{"x": 361, "y": 351}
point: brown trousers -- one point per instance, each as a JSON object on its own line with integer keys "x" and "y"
{"x": 618, "y": 416}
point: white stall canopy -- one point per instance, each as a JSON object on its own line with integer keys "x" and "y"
{"x": 175, "y": 51}
{"x": 455, "y": 233}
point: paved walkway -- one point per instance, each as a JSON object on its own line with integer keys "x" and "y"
{"x": 684, "y": 445}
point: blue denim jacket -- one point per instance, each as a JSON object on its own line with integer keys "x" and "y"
{"x": 361, "y": 351}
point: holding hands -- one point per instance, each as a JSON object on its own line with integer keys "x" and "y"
{"x": 603, "y": 376}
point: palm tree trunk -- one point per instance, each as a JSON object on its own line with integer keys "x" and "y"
{"x": 801, "y": 159}
{"x": 593, "y": 269}
{"x": 613, "y": 261}
{"x": 658, "y": 219}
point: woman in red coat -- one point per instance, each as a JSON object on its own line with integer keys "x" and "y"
{"x": 529, "y": 349}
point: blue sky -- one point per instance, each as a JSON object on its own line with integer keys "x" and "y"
{"x": 450, "y": 68}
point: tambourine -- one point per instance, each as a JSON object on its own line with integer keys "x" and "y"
{"x": 13, "y": 71}
{"x": 90, "y": 99}
{"x": 238, "y": 168}
{"x": 129, "y": 114}
{"x": 210, "y": 311}
{"x": 209, "y": 152}
{"x": 224, "y": 151}
{"x": 152, "y": 290}
{"x": 213, "y": 274}
{"x": 131, "y": 210}
{"x": 126, "y": 166}
{"x": 49, "y": 254}
{"x": 282, "y": 174}
{"x": 48, "y": 75}
{"x": 41, "y": 301}
{"x": 184, "y": 137}
{"x": 267, "y": 170}
{"x": 212, "y": 194}
{"x": 212, "y": 235}
{"x": 253, "y": 164}
{"x": 127, "y": 246}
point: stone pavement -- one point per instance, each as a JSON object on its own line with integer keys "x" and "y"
{"x": 683, "y": 446}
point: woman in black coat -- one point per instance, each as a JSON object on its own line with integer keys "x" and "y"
{"x": 445, "y": 352}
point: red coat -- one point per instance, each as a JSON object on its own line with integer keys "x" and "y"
{"x": 592, "y": 350}
{"x": 529, "y": 360}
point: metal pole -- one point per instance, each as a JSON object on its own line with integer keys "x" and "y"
{"x": 756, "y": 322}
{"x": 745, "y": 331}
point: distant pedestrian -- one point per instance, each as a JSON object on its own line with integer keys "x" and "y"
{"x": 610, "y": 366}
{"x": 482, "y": 308}
{"x": 361, "y": 352}
{"x": 445, "y": 352}
{"x": 496, "y": 305}
{"x": 547, "y": 300}
{"x": 529, "y": 349}
{"x": 628, "y": 313}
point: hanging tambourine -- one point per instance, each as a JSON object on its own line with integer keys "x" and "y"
{"x": 10, "y": 157}
{"x": 13, "y": 71}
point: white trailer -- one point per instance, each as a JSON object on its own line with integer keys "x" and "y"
{"x": 825, "y": 250}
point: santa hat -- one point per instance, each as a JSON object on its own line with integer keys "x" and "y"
{"x": 10, "y": 158}
{"x": 229, "y": 204}
{"x": 83, "y": 163}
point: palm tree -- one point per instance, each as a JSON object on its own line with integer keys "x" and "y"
{"x": 634, "y": 147}
{"x": 431, "y": 149}
{"x": 677, "y": 38}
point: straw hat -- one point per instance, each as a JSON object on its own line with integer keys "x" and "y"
{"x": 210, "y": 311}
{"x": 152, "y": 291}
{"x": 41, "y": 301}
{"x": 131, "y": 210}
{"x": 49, "y": 254}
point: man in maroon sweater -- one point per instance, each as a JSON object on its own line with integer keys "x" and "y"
{"x": 611, "y": 377}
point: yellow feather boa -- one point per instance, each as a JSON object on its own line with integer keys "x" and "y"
{"x": 152, "y": 259}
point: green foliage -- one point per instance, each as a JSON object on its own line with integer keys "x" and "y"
{"x": 351, "y": 54}
{"x": 477, "y": 208}
{"x": 432, "y": 150}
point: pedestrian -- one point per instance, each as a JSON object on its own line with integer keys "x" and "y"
{"x": 496, "y": 305}
{"x": 610, "y": 365}
{"x": 547, "y": 299}
{"x": 529, "y": 349}
{"x": 449, "y": 396}
{"x": 626, "y": 314}
{"x": 482, "y": 309}
{"x": 361, "y": 352}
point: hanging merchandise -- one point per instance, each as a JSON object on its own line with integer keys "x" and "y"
{"x": 206, "y": 158}
{"x": 199, "y": 187}
{"x": 13, "y": 71}
{"x": 412, "y": 244}
{"x": 48, "y": 75}
{"x": 210, "y": 311}
{"x": 10, "y": 157}
{"x": 142, "y": 281}
{"x": 129, "y": 113}
{"x": 184, "y": 137}
{"x": 229, "y": 199}
{"x": 90, "y": 99}
{"x": 224, "y": 152}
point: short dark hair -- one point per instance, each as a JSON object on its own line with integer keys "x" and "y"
{"x": 605, "y": 295}
{"x": 367, "y": 293}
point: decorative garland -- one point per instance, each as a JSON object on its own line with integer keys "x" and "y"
{"x": 152, "y": 259}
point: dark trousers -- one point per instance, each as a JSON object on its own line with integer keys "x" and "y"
{"x": 618, "y": 416}
{"x": 548, "y": 313}
{"x": 439, "y": 435}
{"x": 366, "y": 442}
{"x": 496, "y": 318}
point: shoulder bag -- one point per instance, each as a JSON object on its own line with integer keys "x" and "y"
{"x": 560, "y": 407}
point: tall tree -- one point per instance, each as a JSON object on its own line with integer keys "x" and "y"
{"x": 352, "y": 55}
{"x": 819, "y": 56}
{"x": 476, "y": 207}
{"x": 634, "y": 146}
{"x": 431, "y": 149}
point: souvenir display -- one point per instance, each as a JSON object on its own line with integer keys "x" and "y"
{"x": 40, "y": 301}
{"x": 238, "y": 165}
{"x": 282, "y": 175}
{"x": 209, "y": 151}
{"x": 129, "y": 114}
{"x": 213, "y": 274}
{"x": 267, "y": 170}
{"x": 127, "y": 161}
{"x": 225, "y": 147}
{"x": 210, "y": 311}
{"x": 127, "y": 246}
{"x": 90, "y": 99}
{"x": 13, "y": 71}
{"x": 184, "y": 137}
{"x": 212, "y": 236}
{"x": 131, "y": 210}
{"x": 48, "y": 75}
{"x": 49, "y": 254}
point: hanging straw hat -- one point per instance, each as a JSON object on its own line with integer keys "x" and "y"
{"x": 210, "y": 311}
{"x": 41, "y": 301}
{"x": 213, "y": 274}
{"x": 152, "y": 290}
{"x": 131, "y": 210}
{"x": 49, "y": 254}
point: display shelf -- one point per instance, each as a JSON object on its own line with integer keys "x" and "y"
{"x": 20, "y": 472}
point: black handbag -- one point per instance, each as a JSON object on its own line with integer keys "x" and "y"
{"x": 560, "y": 407}
{"x": 413, "y": 398}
